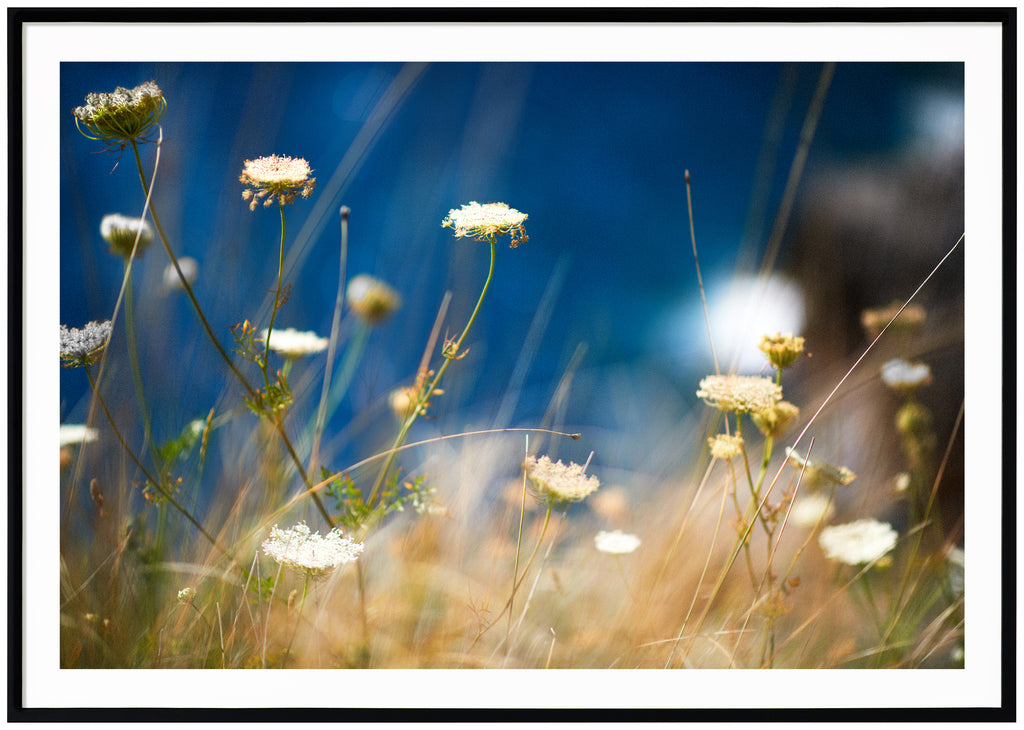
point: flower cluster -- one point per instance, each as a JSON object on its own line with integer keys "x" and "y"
{"x": 616, "y": 543}
{"x": 875, "y": 320}
{"x": 773, "y": 421}
{"x": 725, "y": 447}
{"x": 557, "y": 483}
{"x": 483, "y": 221}
{"x": 120, "y": 231}
{"x": 84, "y": 346}
{"x": 817, "y": 473}
{"x": 781, "y": 350}
{"x": 371, "y": 299}
{"x": 858, "y": 542}
{"x": 123, "y": 116}
{"x": 292, "y": 343}
{"x": 76, "y": 433}
{"x": 309, "y": 553}
{"x": 906, "y": 377}
{"x": 276, "y": 178}
{"x": 739, "y": 393}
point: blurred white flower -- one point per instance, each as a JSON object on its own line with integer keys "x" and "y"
{"x": 858, "y": 542}
{"x": 292, "y": 343}
{"x": 618, "y": 542}
{"x": 558, "y": 483}
{"x": 189, "y": 269}
{"x": 76, "y": 433}
{"x": 811, "y": 510}
{"x": 899, "y": 374}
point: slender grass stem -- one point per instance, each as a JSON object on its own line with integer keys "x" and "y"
{"x": 277, "y": 298}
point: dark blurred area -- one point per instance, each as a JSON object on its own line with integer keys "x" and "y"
{"x": 595, "y": 153}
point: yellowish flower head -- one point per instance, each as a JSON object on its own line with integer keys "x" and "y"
{"x": 725, "y": 447}
{"x": 817, "y": 473}
{"x": 773, "y": 421}
{"x": 483, "y": 221}
{"x": 781, "y": 350}
{"x": 739, "y": 393}
{"x": 276, "y": 177}
{"x": 371, "y": 299}
{"x": 555, "y": 482}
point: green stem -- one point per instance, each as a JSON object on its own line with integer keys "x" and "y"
{"x": 277, "y": 298}
{"x": 450, "y": 354}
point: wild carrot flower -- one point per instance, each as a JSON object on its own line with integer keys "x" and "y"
{"x": 75, "y": 433}
{"x": 616, "y": 543}
{"x": 276, "y": 178}
{"x": 874, "y": 320}
{"x": 309, "y": 553}
{"x": 739, "y": 393}
{"x": 187, "y": 596}
{"x": 84, "y": 346}
{"x": 558, "y": 483}
{"x": 905, "y": 377}
{"x": 189, "y": 268}
{"x": 292, "y": 343}
{"x": 818, "y": 472}
{"x": 371, "y": 299}
{"x": 725, "y": 447}
{"x": 483, "y": 221}
{"x": 120, "y": 231}
{"x": 858, "y": 542}
{"x": 123, "y": 116}
{"x": 781, "y": 350}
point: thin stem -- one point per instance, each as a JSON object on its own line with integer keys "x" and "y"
{"x": 277, "y": 298}
{"x": 450, "y": 354}
{"x": 157, "y": 484}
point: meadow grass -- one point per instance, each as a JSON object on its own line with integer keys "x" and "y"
{"x": 481, "y": 548}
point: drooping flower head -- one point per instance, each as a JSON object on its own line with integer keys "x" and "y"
{"x": 120, "y": 231}
{"x": 739, "y": 393}
{"x": 483, "y": 221}
{"x": 817, "y": 473}
{"x": 371, "y": 299}
{"x": 292, "y": 343}
{"x": 307, "y": 552}
{"x": 858, "y": 542}
{"x": 557, "y": 483}
{"x": 84, "y": 346}
{"x": 616, "y": 543}
{"x": 123, "y": 116}
{"x": 276, "y": 178}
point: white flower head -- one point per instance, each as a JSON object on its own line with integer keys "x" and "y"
{"x": 83, "y": 346}
{"x": 309, "y": 553}
{"x": 276, "y": 178}
{"x": 558, "y": 483}
{"x": 899, "y": 374}
{"x": 76, "y": 433}
{"x": 292, "y": 343}
{"x": 858, "y": 542}
{"x": 617, "y": 543}
{"x": 739, "y": 393}
{"x": 189, "y": 269}
{"x": 483, "y": 221}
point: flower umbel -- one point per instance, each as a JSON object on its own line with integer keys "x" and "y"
{"x": 371, "y": 299}
{"x": 76, "y": 433}
{"x": 905, "y": 377}
{"x": 123, "y": 116}
{"x": 739, "y": 393}
{"x": 557, "y": 483}
{"x": 483, "y": 221}
{"x": 616, "y": 543}
{"x": 276, "y": 178}
{"x": 781, "y": 350}
{"x": 84, "y": 346}
{"x": 725, "y": 447}
{"x": 817, "y": 473}
{"x": 120, "y": 231}
{"x": 309, "y": 553}
{"x": 292, "y": 343}
{"x": 858, "y": 542}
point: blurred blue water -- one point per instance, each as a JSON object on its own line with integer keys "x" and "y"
{"x": 594, "y": 153}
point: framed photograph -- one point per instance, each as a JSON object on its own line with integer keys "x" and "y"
{"x": 442, "y": 355}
